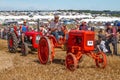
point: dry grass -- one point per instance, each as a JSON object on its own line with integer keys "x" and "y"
{"x": 16, "y": 67}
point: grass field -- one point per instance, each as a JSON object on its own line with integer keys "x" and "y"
{"x": 16, "y": 67}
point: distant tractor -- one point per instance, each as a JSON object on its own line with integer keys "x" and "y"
{"x": 31, "y": 41}
{"x": 79, "y": 43}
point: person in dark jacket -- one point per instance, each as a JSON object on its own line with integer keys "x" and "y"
{"x": 111, "y": 37}
{"x": 101, "y": 41}
{"x": 83, "y": 26}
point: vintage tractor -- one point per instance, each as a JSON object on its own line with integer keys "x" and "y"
{"x": 47, "y": 44}
{"x": 46, "y": 47}
{"x": 80, "y": 43}
{"x": 31, "y": 41}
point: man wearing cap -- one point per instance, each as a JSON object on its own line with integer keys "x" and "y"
{"x": 83, "y": 26}
{"x": 111, "y": 37}
{"x": 24, "y": 29}
{"x": 56, "y": 27}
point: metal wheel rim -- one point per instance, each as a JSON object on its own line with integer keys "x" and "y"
{"x": 101, "y": 61}
{"x": 71, "y": 62}
{"x": 43, "y": 51}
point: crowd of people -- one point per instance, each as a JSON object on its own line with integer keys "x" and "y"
{"x": 110, "y": 35}
{"x": 107, "y": 36}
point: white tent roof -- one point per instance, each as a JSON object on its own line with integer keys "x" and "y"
{"x": 102, "y": 19}
{"x": 43, "y": 17}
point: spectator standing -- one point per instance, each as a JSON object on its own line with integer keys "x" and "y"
{"x": 2, "y": 33}
{"x": 111, "y": 37}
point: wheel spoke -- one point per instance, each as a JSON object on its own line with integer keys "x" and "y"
{"x": 43, "y": 52}
{"x": 71, "y": 62}
{"x": 101, "y": 60}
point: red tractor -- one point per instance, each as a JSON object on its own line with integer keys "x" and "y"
{"x": 79, "y": 43}
{"x": 47, "y": 44}
{"x": 31, "y": 41}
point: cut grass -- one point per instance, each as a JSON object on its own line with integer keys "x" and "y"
{"x": 29, "y": 68}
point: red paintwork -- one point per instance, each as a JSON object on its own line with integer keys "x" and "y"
{"x": 33, "y": 34}
{"x": 77, "y": 45}
{"x": 11, "y": 42}
{"x": 84, "y": 35}
{"x": 15, "y": 32}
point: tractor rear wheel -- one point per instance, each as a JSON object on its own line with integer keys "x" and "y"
{"x": 44, "y": 50}
{"x": 53, "y": 40}
{"x": 12, "y": 42}
{"x": 71, "y": 62}
{"x": 101, "y": 61}
{"x": 24, "y": 49}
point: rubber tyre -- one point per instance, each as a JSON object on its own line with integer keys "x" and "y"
{"x": 24, "y": 49}
{"x": 12, "y": 42}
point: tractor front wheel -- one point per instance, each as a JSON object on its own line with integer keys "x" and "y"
{"x": 71, "y": 62}
{"x": 24, "y": 49}
{"x": 101, "y": 61}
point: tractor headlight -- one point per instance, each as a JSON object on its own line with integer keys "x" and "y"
{"x": 38, "y": 37}
{"x": 89, "y": 43}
